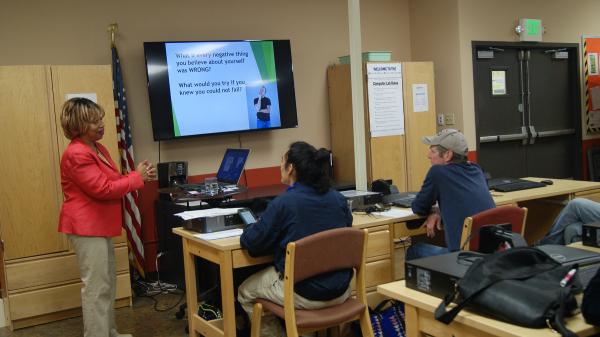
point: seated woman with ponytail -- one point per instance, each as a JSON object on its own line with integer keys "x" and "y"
{"x": 310, "y": 205}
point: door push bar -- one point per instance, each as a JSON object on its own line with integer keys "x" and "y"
{"x": 505, "y": 138}
{"x": 554, "y": 133}
{"x": 525, "y": 136}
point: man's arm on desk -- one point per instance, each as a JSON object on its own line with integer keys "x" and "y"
{"x": 260, "y": 238}
{"x": 425, "y": 201}
{"x": 427, "y": 196}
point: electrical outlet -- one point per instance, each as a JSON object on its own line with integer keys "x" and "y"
{"x": 440, "y": 119}
{"x": 449, "y": 119}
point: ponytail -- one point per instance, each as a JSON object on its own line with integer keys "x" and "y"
{"x": 311, "y": 165}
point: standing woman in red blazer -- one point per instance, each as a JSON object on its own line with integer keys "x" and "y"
{"x": 91, "y": 213}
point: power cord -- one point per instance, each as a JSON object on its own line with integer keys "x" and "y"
{"x": 153, "y": 289}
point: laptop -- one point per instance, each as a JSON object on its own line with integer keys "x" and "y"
{"x": 230, "y": 170}
{"x": 512, "y": 184}
{"x": 232, "y": 166}
{"x": 403, "y": 199}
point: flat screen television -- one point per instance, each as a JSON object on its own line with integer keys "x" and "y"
{"x": 216, "y": 87}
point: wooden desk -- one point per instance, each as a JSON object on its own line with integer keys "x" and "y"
{"x": 580, "y": 245}
{"x": 545, "y": 203}
{"x": 228, "y": 254}
{"x": 559, "y": 188}
{"x": 419, "y": 319}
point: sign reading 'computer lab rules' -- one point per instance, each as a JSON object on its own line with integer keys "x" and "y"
{"x": 386, "y": 108}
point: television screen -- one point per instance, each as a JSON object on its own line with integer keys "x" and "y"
{"x": 215, "y": 87}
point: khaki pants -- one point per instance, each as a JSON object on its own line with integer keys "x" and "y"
{"x": 266, "y": 284}
{"x": 96, "y": 258}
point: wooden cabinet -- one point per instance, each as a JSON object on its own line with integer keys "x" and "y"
{"x": 379, "y": 261}
{"x": 29, "y": 189}
{"x": 40, "y": 275}
{"x": 401, "y": 158}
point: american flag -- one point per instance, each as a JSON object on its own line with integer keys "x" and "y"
{"x": 133, "y": 223}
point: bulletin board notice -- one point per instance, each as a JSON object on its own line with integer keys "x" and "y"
{"x": 386, "y": 105}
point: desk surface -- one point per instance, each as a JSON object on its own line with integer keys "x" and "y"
{"x": 559, "y": 187}
{"x": 231, "y": 243}
{"x": 580, "y": 245}
{"x": 428, "y": 303}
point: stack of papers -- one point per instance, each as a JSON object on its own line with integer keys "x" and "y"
{"x": 220, "y": 235}
{"x": 204, "y": 213}
{"x": 356, "y": 193}
{"x": 395, "y": 213}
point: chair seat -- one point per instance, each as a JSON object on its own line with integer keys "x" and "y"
{"x": 319, "y": 318}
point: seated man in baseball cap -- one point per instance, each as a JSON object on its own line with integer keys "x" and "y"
{"x": 457, "y": 186}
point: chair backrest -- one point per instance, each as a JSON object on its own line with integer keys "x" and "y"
{"x": 516, "y": 216}
{"x": 323, "y": 252}
{"x": 327, "y": 251}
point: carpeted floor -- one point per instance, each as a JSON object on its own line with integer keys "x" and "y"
{"x": 141, "y": 320}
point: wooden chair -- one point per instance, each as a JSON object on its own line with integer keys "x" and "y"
{"x": 316, "y": 254}
{"x": 514, "y": 215}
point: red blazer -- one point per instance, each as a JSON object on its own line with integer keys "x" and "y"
{"x": 93, "y": 192}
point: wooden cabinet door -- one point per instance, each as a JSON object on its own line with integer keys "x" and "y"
{"x": 417, "y": 123}
{"x": 29, "y": 185}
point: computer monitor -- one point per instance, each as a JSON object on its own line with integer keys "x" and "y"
{"x": 232, "y": 165}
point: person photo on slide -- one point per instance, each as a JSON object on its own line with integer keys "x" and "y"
{"x": 263, "y": 109}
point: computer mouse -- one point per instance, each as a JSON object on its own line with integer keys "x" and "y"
{"x": 547, "y": 182}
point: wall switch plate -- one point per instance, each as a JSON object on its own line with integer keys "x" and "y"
{"x": 440, "y": 119}
{"x": 449, "y": 119}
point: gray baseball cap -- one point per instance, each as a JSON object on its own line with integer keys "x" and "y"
{"x": 450, "y": 139}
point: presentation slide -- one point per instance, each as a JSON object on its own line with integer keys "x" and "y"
{"x": 222, "y": 86}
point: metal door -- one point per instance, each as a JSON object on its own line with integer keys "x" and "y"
{"x": 527, "y": 109}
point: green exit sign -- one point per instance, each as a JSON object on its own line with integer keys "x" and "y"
{"x": 533, "y": 26}
{"x": 531, "y": 30}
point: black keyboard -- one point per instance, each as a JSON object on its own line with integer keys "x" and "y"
{"x": 400, "y": 199}
{"x": 517, "y": 186}
{"x": 192, "y": 187}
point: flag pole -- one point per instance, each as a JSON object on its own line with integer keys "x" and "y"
{"x": 112, "y": 29}
{"x": 131, "y": 216}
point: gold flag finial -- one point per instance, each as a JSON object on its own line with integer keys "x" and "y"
{"x": 112, "y": 29}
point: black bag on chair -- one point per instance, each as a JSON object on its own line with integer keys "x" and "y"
{"x": 522, "y": 286}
